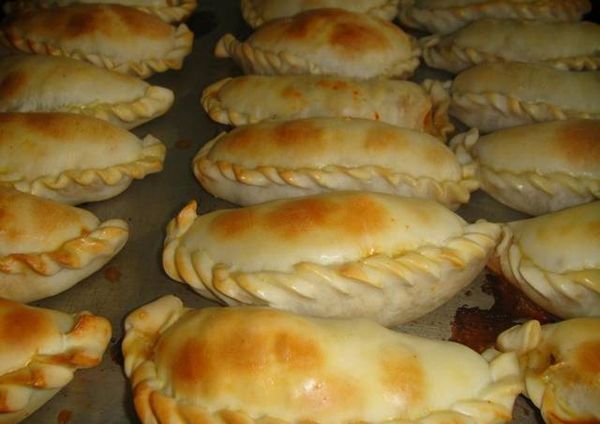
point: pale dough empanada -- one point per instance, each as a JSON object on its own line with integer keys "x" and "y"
{"x": 500, "y": 95}
{"x": 40, "y": 350}
{"x": 257, "y": 12}
{"x": 538, "y": 168}
{"x": 274, "y": 160}
{"x": 257, "y": 365}
{"x": 562, "y": 45}
{"x": 325, "y": 41}
{"x": 348, "y": 254}
{"x": 403, "y": 103}
{"x": 40, "y": 83}
{"x": 112, "y": 36}
{"x": 560, "y": 364}
{"x": 47, "y": 247}
{"x": 73, "y": 158}
{"x": 555, "y": 260}
{"x": 445, "y": 16}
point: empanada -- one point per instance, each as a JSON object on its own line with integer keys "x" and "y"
{"x": 257, "y": 365}
{"x": 538, "y": 168}
{"x": 406, "y": 104}
{"x": 47, "y": 247}
{"x": 257, "y": 12}
{"x": 40, "y": 350}
{"x": 560, "y": 363}
{"x": 112, "y": 36}
{"x": 444, "y": 16}
{"x": 32, "y": 83}
{"x": 274, "y": 160}
{"x": 562, "y": 45}
{"x": 500, "y": 95}
{"x": 555, "y": 260}
{"x": 348, "y": 254}
{"x": 73, "y": 158}
{"x": 325, "y": 41}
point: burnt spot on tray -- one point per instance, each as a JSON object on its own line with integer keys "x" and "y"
{"x": 64, "y": 416}
{"x": 202, "y": 22}
{"x": 116, "y": 352}
{"x": 183, "y": 144}
{"x": 112, "y": 274}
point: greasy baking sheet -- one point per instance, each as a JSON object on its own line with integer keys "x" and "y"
{"x": 135, "y": 276}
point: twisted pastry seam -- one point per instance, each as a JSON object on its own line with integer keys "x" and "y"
{"x": 439, "y": 92}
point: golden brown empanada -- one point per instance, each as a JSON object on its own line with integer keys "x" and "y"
{"x": 555, "y": 260}
{"x": 537, "y": 168}
{"x": 348, "y": 254}
{"x": 406, "y": 104}
{"x": 32, "y": 83}
{"x": 112, "y": 36}
{"x": 274, "y": 160}
{"x": 257, "y": 12}
{"x": 40, "y": 350}
{"x": 256, "y": 365}
{"x": 560, "y": 363}
{"x": 444, "y": 16}
{"x": 325, "y": 41}
{"x": 47, "y": 247}
{"x": 562, "y": 45}
{"x": 73, "y": 158}
{"x": 500, "y": 95}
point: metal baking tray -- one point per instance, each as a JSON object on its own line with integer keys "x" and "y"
{"x": 135, "y": 277}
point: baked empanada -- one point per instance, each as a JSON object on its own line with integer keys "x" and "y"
{"x": 560, "y": 363}
{"x": 256, "y": 365}
{"x": 257, "y": 12}
{"x": 111, "y": 36}
{"x": 403, "y": 103}
{"x": 562, "y": 45}
{"x": 555, "y": 260}
{"x": 537, "y": 168}
{"x": 32, "y": 83}
{"x": 500, "y": 95}
{"x": 274, "y": 160}
{"x": 40, "y": 350}
{"x": 47, "y": 247}
{"x": 325, "y": 41}
{"x": 444, "y": 16}
{"x": 73, "y": 158}
{"x": 348, "y": 254}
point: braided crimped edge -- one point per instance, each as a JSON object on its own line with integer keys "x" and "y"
{"x": 145, "y": 326}
{"x": 182, "y": 46}
{"x": 259, "y": 61}
{"x": 445, "y": 20}
{"x": 455, "y": 58}
{"x": 252, "y": 16}
{"x": 150, "y": 161}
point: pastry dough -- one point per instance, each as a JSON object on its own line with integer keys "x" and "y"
{"x": 47, "y": 247}
{"x": 73, "y": 158}
{"x": 406, "y": 104}
{"x": 562, "y": 45}
{"x": 40, "y": 350}
{"x": 560, "y": 363}
{"x": 112, "y": 36}
{"x": 325, "y": 41}
{"x": 350, "y": 254}
{"x": 500, "y": 95}
{"x": 555, "y": 260}
{"x": 32, "y": 83}
{"x": 256, "y": 365}
{"x": 167, "y": 10}
{"x": 537, "y": 168}
{"x": 444, "y": 16}
{"x": 257, "y": 12}
{"x": 273, "y": 160}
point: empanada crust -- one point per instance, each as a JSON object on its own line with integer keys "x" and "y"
{"x": 255, "y": 365}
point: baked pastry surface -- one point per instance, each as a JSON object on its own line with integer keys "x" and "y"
{"x": 261, "y": 365}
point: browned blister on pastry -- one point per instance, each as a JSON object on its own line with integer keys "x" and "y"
{"x": 112, "y": 36}
{"x": 325, "y": 41}
{"x": 256, "y": 365}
